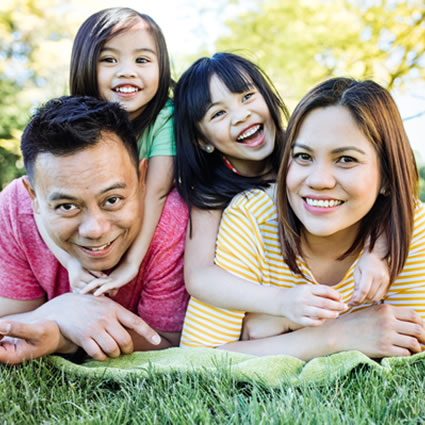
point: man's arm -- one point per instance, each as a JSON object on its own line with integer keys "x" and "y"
{"x": 97, "y": 324}
{"x": 10, "y": 307}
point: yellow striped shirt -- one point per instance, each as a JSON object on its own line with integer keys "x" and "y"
{"x": 248, "y": 246}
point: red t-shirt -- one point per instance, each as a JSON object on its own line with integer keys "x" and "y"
{"x": 29, "y": 270}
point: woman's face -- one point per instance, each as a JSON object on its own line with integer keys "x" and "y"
{"x": 334, "y": 174}
{"x": 240, "y": 126}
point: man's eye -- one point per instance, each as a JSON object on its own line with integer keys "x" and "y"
{"x": 112, "y": 201}
{"x": 65, "y": 208}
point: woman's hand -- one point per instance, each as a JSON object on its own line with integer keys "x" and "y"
{"x": 257, "y": 326}
{"x": 379, "y": 331}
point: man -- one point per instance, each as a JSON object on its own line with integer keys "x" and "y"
{"x": 85, "y": 184}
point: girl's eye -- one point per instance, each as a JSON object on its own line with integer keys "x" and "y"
{"x": 217, "y": 114}
{"x": 302, "y": 157}
{"x": 108, "y": 60}
{"x": 247, "y": 96}
{"x": 141, "y": 60}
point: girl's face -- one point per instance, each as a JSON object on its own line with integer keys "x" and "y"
{"x": 240, "y": 126}
{"x": 334, "y": 174}
{"x": 128, "y": 69}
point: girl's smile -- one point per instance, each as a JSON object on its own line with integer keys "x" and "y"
{"x": 334, "y": 174}
{"x": 240, "y": 126}
{"x": 128, "y": 69}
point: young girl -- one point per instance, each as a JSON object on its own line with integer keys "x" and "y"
{"x": 348, "y": 176}
{"x": 120, "y": 55}
{"x": 229, "y": 138}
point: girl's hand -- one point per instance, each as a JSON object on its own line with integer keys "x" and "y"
{"x": 110, "y": 284}
{"x": 79, "y": 277}
{"x": 371, "y": 279}
{"x": 310, "y": 305}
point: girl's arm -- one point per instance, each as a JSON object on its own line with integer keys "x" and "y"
{"x": 78, "y": 276}
{"x": 215, "y": 286}
{"x": 371, "y": 275}
{"x": 159, "y": 182}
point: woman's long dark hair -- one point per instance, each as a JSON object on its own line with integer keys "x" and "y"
{"x": 202, "y": 179}
{"x": 377, "y": 116}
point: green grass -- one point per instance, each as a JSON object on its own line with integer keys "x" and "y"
{"x": 36, "y": 393}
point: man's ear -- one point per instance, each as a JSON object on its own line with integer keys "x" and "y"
{"x": 143, "y": 166}
{"x": 32, "y": 194}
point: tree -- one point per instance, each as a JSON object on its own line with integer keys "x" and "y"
{"x": 35, "y": 48}
{"x": 304, "y": 42}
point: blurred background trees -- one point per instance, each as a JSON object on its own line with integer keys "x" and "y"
{"x": 298, "y": 43}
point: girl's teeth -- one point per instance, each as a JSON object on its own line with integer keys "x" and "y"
{"x": 323, "y": 203}
{"x": 126, "y": 89}
{"x": 249, "y": 132}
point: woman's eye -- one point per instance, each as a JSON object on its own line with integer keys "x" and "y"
{"x": 347, "y": 160}
{"x": 302, "y": 157}
{"x": 141, "y": 60}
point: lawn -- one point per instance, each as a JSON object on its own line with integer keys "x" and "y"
{"x": 38, "y": 393}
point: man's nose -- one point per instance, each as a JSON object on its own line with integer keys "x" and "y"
{"x": 94, "y": 225}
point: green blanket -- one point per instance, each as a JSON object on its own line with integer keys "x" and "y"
{"x": 271, "y": 370}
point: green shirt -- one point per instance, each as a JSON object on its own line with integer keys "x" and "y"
{"x": 158, "y": 139}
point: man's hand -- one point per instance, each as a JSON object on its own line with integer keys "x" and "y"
{"x": 97, "y": 324}
{"x": 25, "y": 341}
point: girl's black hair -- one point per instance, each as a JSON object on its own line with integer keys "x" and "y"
{"x": 202, "y": 179}
{"x": 94, "y": 32}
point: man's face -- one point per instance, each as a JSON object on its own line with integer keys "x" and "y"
{"x": 90, "y": 202}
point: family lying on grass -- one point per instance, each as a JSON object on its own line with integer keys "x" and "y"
{"x": 305, "y": 240}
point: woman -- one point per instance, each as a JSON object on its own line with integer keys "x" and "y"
{"x": 347, "y": 172}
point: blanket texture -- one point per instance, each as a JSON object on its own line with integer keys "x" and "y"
{"x": 271, "y": 370}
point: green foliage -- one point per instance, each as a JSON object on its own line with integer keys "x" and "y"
{"x": 301, "y": 43}
{"x": 35, "y": 46}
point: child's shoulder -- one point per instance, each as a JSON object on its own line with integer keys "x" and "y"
{"x": 166, "y": 113}
{"x": 257, "y": 202}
